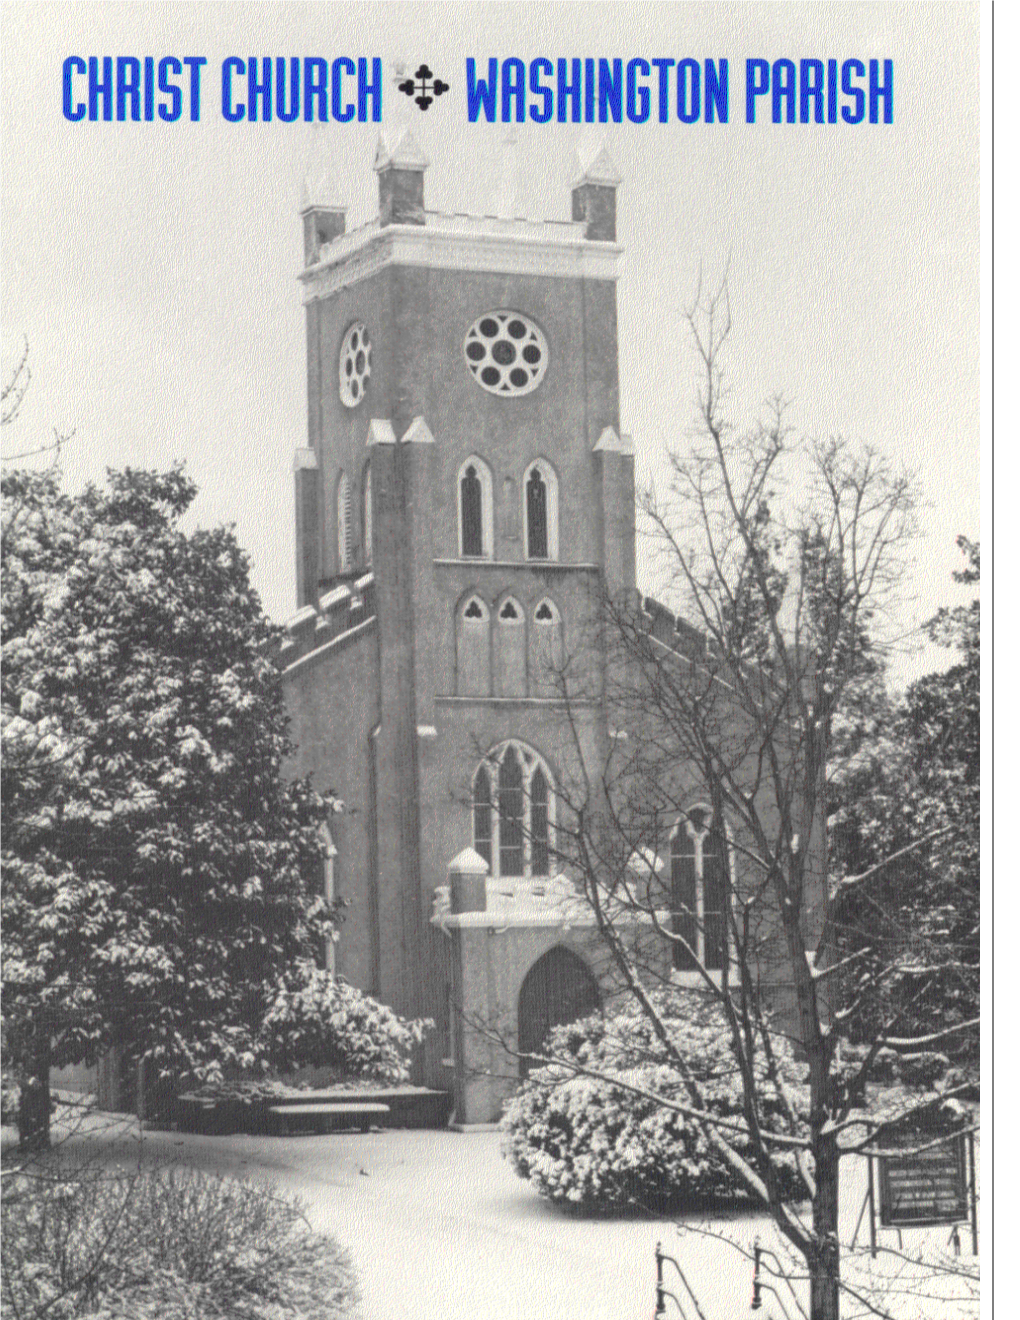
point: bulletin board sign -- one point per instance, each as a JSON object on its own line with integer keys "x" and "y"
{"x": 926, "y": 1186}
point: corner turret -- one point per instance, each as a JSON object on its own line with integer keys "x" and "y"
{"x": 593, "y": 195}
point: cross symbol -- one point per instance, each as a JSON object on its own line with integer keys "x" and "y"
{"x": 423, "y": 83}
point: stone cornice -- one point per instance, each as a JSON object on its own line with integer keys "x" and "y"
{"x": 536, "y": 565}
{"x": 461, "y": 243}
{"x": 544, "y": 703}
{"x": 511, "y": 904}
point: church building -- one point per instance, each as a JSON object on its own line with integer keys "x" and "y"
{"x": 464, "y": 496}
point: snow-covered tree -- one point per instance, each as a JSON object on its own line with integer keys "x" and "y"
{"x": 160, "y": 875}
{"x": 699, "y": 840}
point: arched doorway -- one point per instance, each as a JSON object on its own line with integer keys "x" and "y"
{"x": 559, "y": 988}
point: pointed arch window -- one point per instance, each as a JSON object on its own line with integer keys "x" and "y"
{"x": 536, "y": 499}
{"x": 700, "y": 881}
{"x": 343, "y": 521}
{"x": 471, "y": 511}
{"x": 541, "y": 511}
{"x": 545, "y": 650}
{"x": 474, "y": 510}
{"x": 511, "y": 812}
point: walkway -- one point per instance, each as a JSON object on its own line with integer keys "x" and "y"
{"x": 438, "y": 1225}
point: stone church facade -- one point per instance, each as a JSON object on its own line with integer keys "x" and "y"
{"x": 464, "y": 495}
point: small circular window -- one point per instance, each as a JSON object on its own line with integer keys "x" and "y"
{"x": 506, "y": 353}
{"x": 355, "y": 364}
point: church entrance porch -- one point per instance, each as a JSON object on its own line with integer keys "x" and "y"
{"x": 522, "y": 961}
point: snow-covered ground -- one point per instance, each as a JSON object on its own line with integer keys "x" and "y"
{"x": 439, "y": 1225}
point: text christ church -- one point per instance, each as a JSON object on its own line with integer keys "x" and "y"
{"x": 464, "y": 495}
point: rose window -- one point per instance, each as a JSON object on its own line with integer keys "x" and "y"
{"x": 506, "y": 353}
{"x": 355, "y": 364}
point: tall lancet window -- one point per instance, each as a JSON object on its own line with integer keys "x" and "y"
{"x": 714, "y": 897}
{"x": 539, "y": 794}
{"x": 343, "y": 521}
{"x": 366, "y": 523}
{"x": 474, "y": 510}
{"x": 684, "y": 876}
{"x": 482, "y": 809}
{"x": 538, "y": 517}
{"x": 699, "y": 870}
{"x": 511, "y": 815}
{"x": 540, "y": 511}
{"x": 471, "y": 511}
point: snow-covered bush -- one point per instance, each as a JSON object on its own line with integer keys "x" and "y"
{"x": 314, "y": 1016}
{"x": 598, "y": 1132}
{"x": 163, "y": 1244}
{"x": 10, "y": 1097}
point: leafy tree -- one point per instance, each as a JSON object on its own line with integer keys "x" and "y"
{"x": 905, "y": 783}
{"x": 944, "y": 718}
{"x": 785, "y": 556}
{"x": 159, "y": 873}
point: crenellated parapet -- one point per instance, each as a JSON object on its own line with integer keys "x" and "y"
{"x": 674, "y": 632}
{"x": 341, "y": 616}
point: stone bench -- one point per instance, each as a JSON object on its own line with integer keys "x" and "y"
{"x": 328, "y": 1116}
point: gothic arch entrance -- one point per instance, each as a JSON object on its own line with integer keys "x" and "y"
{"x": 559, "y": 988}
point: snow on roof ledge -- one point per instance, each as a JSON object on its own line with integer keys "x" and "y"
{"x": 595, "y": 165}
{"x": 645, "y": 861}
{"x": 468, "y": 862}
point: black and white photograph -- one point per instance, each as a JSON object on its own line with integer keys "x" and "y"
{"x": 491, "y": 654}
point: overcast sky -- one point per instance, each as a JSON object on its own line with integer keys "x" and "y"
{"x": 152, "y": 266}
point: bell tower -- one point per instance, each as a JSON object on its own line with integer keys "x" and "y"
{"x": 466, "y": 491}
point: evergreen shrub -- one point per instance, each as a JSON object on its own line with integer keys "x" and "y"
{"x": 319, "y": 1017}
{"x": 608, "y": 1142}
